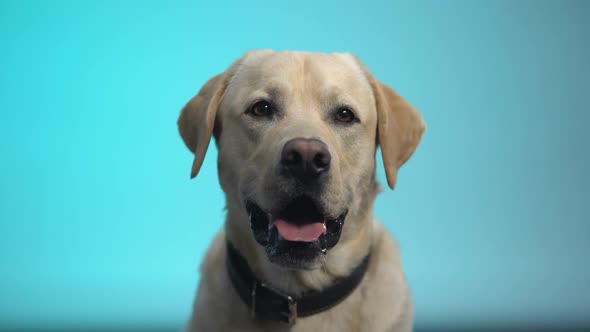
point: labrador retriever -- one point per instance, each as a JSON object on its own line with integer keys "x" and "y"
{"x": 297, "y": 135}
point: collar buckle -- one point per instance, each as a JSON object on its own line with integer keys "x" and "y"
{"x": 267, "y": 300}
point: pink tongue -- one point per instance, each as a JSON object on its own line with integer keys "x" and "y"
{"x": 302, "y": 233}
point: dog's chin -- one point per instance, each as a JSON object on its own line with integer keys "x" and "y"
{"x": 296, "y": 255}
{"x": 297, "y": 236}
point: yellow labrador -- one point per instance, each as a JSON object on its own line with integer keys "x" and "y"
{"x": 297, "y": 135}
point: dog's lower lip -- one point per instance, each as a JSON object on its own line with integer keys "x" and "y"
{"x": 259, "y": 223}
{"x": 323, "y": 244}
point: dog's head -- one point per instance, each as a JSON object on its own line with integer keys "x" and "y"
{"x": 297, "y": 135}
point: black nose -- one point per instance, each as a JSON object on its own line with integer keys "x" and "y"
{"x": 305, "y": 159}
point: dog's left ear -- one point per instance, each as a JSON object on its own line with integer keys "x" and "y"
{"x": 197, "y": 119}
{"x": 400, "y": 128}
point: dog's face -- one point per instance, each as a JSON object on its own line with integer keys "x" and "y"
{"x": 297, "y": 136}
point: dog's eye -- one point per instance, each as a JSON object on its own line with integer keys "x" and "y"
{"x": 261, "y": 108}
{"x": 344, "y": 114}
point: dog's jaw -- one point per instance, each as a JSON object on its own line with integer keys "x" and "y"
{"x": 271, "y": 230}
{"x": 337, "y": 262}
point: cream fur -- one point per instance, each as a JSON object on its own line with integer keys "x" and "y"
{"x": 307, "y": 86}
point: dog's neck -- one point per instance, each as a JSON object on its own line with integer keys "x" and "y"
{"x": 353, "y": 246}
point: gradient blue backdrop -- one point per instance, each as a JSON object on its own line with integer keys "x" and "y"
{"x": 100, "y": 225}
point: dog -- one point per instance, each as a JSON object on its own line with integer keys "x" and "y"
{"x": 297, "y": 135}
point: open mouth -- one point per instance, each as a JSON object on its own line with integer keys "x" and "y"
{"x": 297, "y": 233}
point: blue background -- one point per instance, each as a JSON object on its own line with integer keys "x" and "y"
{"x": 100, "y": 225}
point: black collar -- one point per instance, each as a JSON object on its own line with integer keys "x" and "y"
{"x": 268, "y": 303}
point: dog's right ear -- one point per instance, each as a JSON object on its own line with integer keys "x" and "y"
{"x": 197, "y": 118}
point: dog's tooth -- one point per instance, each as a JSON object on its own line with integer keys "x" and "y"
{"x": 323, "y": 244}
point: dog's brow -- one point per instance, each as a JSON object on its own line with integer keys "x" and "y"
{"x": 274, "y": 90}
{"x": 336, "y": 95}
{"x": 332, "y": 92}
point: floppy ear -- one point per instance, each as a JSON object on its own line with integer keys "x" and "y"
{"x": 400, "y": 127}
{"x": 197, "y": 119}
